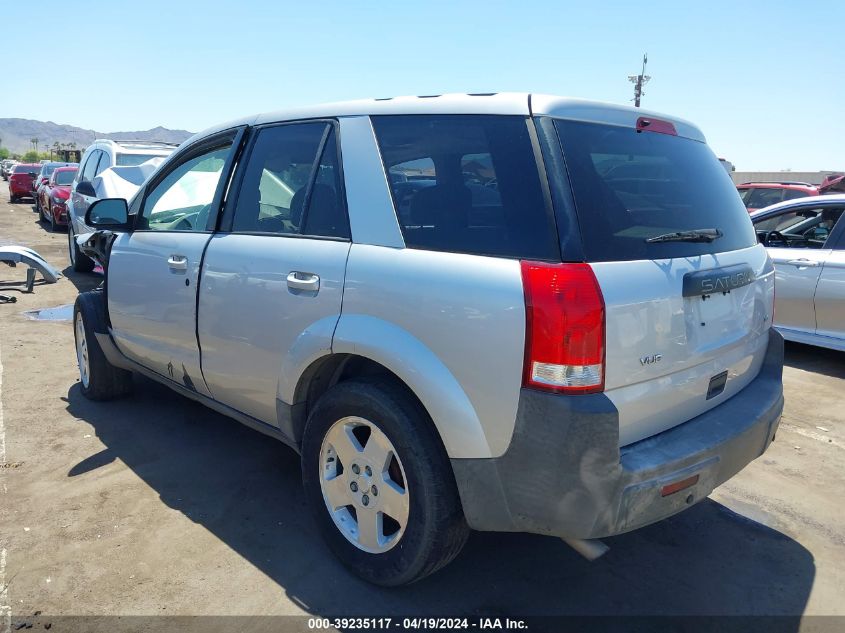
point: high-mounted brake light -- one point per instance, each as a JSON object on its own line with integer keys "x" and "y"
{"x": 565, "y": 328}
{"x": 650, "y": 124}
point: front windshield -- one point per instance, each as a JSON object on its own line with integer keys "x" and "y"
{"x": 65, "y": 177}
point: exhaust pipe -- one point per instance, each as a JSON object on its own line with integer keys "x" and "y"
{"x": 591, "y": 549}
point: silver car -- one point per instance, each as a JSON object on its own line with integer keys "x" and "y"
{"x": 806, "y": 240}
{"x": 502, "y": 312}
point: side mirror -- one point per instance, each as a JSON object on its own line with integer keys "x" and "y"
{"x": 108, "y": 213}
{"x": 85, "y": 188}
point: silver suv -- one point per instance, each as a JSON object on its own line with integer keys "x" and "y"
{"x": 502, "y": 312}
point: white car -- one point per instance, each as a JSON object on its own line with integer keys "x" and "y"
{"x": 93, "y": 182}
{"x": 805, "y": 238}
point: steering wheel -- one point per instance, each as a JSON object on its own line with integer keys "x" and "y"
{"x": 775, "y": 236}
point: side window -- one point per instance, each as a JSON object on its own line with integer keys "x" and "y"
{"x": 91, "y": 165}
{"x": 763, "y": 197}
{"x": 275, "y": 196}
{"x": 467, "y": 184}
{"x": 182, "y": 200}
{"x": 792, "y": 194}
{"x": 104, "y": 163}
{"x": 804, "y": 228}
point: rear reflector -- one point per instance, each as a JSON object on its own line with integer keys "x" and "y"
{"x": 670, "y": 489}
{"x": 565, "y": 328}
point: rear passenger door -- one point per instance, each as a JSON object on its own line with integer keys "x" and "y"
{"x": 272, "y": 279}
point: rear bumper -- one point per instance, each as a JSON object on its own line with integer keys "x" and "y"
{"x": 21, "y": 191}
{"x": 565, "y": 475}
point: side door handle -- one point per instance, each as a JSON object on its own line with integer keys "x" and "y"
{"x": 303, "y": 281}
{"x": 802, "y": 263}
{"x": 177, "y": 262}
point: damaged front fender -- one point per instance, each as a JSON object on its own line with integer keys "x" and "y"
{"x": 97, "y": 245}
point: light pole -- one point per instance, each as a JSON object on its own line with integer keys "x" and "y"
{"x": 639, "y": 81}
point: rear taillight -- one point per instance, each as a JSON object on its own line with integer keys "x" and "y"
{"x": 565, "y": 328}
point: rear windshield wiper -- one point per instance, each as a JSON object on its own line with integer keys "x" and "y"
{"x": 696, "y": 235}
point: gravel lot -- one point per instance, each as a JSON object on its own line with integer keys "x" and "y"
{"x": 157, "y": 505}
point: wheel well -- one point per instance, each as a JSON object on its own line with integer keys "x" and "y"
{"x": 325, "y": 373}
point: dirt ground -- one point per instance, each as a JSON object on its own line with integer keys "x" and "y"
{"x": 157, "y": 505}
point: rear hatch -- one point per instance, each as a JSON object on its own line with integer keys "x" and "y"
{"x": 688, "y": 292}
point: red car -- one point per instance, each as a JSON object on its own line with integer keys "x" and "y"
{"x": 20, "y": 181}
{"x": 756, "y": 195}
{"x": 53, "y": 195}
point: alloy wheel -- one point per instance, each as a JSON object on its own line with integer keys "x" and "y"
{"x": 364, "y": 484}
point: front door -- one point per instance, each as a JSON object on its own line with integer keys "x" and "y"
{"x": 153, "y": 270}
{"x": 830, "y": 292}
{"x": 272, "y": 280}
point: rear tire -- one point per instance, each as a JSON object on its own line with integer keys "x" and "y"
{"x": 99, "y": 379}
{"x": 13, "y": 199}
{"x": 79, "y": 262}
{"x": 434, "y": 529}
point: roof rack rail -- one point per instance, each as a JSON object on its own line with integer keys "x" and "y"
{"x": 779, "y": 182}
{"x": 141, "y": 142}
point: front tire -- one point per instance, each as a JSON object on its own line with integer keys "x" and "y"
{"x": 379, "y": 483}
{"x": 99, "y": 379}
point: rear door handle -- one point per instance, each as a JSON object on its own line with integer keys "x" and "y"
{"x": 803, "y": 263}
{"x": 177, "y": 262}
{"x": 303, "y": 281}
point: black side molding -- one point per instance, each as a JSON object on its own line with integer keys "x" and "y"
{"x": 708, "y": 282}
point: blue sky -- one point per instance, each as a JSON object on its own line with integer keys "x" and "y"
{"x": 762, "y": 79}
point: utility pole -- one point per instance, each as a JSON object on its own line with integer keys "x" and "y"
{"x": 639, "y": 81}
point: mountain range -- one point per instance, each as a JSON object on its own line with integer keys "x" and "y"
{"x": 15, "y": 135}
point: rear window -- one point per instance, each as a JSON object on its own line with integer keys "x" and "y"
{"x": 467, "y": 184}
{"x": 629, "y": 186}
{"x": 25, "y": 169}
{"x": 128, "y": 160}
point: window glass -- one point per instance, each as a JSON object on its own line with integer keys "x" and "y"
{"x": 763, "y": 197}
{"x": 467, "y": 184}
{"x": 182, "y": 200}
{"x": 91, "y": 165}
{"x": 105, "y": 163}
{"x": 630, "y": 186}
{"x": 127, "y": 160}
{"x": 65, "y": 177}
{"x": 801, "y": 228}
{"x": 274, "y": 191}
{"x": 326, "y": 212}
{"x": 792, "y": 194}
